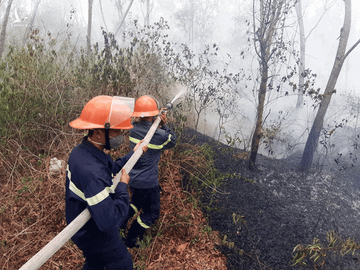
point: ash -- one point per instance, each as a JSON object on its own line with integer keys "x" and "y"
{"x": 266, "y": 212}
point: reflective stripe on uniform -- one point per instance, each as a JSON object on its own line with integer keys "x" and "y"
{"x": 152, "y": 146}
{"x": 142, "y": 224}
{"x": 134, "y": 208}
{"x": 102, "y": 195}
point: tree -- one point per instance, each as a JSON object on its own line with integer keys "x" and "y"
{"x": 313, "y": 138}
{"x": 302, "y": 53}
{"x": 268, "y": 41}
{"x": 30, "y": 27}
{"x": 102, "y": 15}
{"x": 147, "y": 15}
{"x": 124, "y": 17}
{"x": 3, "y": 28}
{"x": 200, "y": 81}
{"x": 303, "y": 39}
{"x": 88, "y": 36}
{"x": 196, "y": 19}
{"x": 226, "y": 101}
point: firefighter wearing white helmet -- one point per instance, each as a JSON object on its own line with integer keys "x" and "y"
{"x": 89, "y": 184}
{"x": 144, "y": 184}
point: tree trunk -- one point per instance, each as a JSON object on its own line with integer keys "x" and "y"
{"x": 3, "y": 28}
{"x": 259, "y": 118}
{"x": 30, "y": 27}
{"x": 264, "y": 35}
{"x": 102, "y": 15}
{"x": 312, "y": 141}
{"x": 88, "y": 36}
{"x": 123, "y": 19}
{"x": 300, "y": 98}
{"x": 147, "y": 17}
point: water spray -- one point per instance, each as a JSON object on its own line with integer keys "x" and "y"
{"x": 170, "y": 105}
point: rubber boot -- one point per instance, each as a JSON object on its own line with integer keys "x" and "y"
{"x": 135, "y": 232}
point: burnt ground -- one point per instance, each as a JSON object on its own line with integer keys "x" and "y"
{"x": 268, "y": 211}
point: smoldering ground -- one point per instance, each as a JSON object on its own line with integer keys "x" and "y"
{"x": 265, "y": 213}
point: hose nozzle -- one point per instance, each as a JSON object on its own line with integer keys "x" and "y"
{"x": 169, "y": 106}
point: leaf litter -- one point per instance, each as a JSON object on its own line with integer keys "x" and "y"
{"x": 32, "y": 213}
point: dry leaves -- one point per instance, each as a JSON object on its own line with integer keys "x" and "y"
{"x": 32, "y": 213}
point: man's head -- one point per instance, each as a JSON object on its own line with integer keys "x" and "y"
{"x": 146, "y": 107}
{"x": 105, "y": 117}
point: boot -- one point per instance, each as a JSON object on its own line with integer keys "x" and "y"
{"x": 135, "y": 233}
{"x": 125, "y": 222}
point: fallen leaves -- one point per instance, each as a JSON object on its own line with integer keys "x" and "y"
{"x": 31, "y": 218}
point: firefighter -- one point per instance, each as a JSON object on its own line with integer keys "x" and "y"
{"x": 144, "y": 184}
{"x": 89, "y": 184}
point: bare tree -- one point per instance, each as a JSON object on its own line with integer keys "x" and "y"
{"x": 124, "y": 17}
{"x": 147, "y": 15}
{"x": 303, "y": 39}
{"x": 88, "y": 36}
{"x": 102, "y": 15}
{"x": 196, "y": 19}
{"x": 3, "y": 28}
{"x": 301, "y": 64}
{"x": 30, "y": 26}
{"x": 267, "y": 40}
{"x": 313, "y": 138}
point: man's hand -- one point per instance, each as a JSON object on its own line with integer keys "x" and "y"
{"x": 125, "y": 178}
{"x": 163, "y": 118}
{"x": 144, "y": 148}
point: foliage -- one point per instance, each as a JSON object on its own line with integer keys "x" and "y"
{"x": 198, "y": 167}
{"x": 209, "y": 85}
{"x": 317, "y": 251}
{"x": 35, "y": 88}
{"x": 151, "y": 55}
{"x": 42, "y": 88}
{"x": 272, "y": 50}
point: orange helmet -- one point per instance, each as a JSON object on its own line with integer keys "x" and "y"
{"x": 145, "y": 106}
{"x": 104, "y": 111}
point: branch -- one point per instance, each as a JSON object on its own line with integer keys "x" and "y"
{"x": 322, "y": 15}
{"x": 123, "y": 19}
{"x": 351, "y": 49}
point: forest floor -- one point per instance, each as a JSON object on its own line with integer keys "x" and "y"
{"x": 252, "y": 221}
{"x": 32, "y": 213}
{"x": 268, "y": 211}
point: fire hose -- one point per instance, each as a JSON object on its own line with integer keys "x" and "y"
{"x": 58, "y": 241}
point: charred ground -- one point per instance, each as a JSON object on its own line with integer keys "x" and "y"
{"x": 266, "y": 212}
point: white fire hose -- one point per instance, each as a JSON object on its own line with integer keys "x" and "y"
{"x": 58, "y": 241}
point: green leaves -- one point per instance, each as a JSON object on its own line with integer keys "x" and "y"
{"x": 316, "y": 250}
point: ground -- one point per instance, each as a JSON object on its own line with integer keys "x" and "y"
{"x": 253, "y": 221}
{"x": 268, "y": 211}
{"x": 32, "y": 213}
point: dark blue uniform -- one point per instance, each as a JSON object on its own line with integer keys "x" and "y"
{"x": 89, "y": 185}
{"x": 144, "y": 183}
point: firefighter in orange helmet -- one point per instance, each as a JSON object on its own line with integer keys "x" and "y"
{"x": 144, "y": 184}
{"x": 89, "y": 184}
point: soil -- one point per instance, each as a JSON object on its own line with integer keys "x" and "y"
{"x": 264, "y": 213}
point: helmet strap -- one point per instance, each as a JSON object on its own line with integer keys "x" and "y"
{"x": 107, "y": 137}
